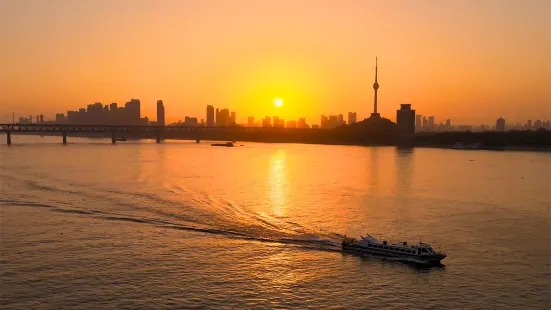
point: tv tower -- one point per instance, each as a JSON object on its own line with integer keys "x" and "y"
{"x": 375, "y": 87}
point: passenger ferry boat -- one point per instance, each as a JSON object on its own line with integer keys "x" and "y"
{"x": 421, "y": 253}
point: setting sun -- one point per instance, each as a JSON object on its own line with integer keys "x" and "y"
{"x": 278, "y": 102}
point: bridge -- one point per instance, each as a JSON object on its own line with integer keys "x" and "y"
{"x": 157, "y": 132}
{"x": 115, "y": 130}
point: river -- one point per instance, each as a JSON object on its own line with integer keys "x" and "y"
{"x": 91, "y": 225}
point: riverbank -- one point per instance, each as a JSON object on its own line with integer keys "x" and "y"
{"x": 454, "y": 146}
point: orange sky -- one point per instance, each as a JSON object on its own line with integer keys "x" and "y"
{"x": 471, "y": 61}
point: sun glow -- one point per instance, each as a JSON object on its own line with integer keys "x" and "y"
{"x": 278, "y": 102}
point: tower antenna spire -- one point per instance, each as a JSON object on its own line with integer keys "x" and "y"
{"x": 375, "y": 87}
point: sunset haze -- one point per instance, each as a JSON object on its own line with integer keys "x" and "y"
{"x": 471, "y": 61}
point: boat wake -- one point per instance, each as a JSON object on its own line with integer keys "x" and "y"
{"x": 271, "y": 232}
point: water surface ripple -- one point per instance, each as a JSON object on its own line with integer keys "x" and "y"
{"x": 91, "y": 225}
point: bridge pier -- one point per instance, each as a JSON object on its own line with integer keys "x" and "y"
{"x": 113, "y": 137}
{"x": 158, "y": 137}
{"x": 8, "y": 137}
{"x": 64, "y": 137}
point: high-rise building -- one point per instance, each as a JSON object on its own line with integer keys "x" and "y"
{"x": 352, "y": 118}
{"x": 210, "y": 116}
{"x": 60, "y": 118}
{"x": 191, "y": 121}
{"x": 340, "y": 120}
{"x": 405, "y": 120}
{"x": 333, "y": 121}
{"x": 419, "y": 123}
{"x": 250, "y": 121}
{"x": 291, "y": 124}
{"x": 425, "y": 124}
{"x": 114, "y": 117}
{"x": 500, "y": 124}
{"x": 132, "y": 112}
{"x": 323, "y": 121}
{"x": 278, "y": 122}
{"x": 431, "y": 123}
{"x": 232, "y": 119}
{"x": 302, "y": 123}
{"x": 222, "y": 118}
{"x": 267, "y": 122}
{"x": 160, "y": 113}
{"x": 448, "y": 124}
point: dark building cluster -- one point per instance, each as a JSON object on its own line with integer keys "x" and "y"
{"x": 220, "y": 117}
{"x": 276, "y": 122}
{"x": 99, "y": 114}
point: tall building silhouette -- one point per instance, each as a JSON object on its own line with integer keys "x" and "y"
{"x": 210, "y": 116}
{"x": 405, "y": 119}
{"x": 500, "y": 124}
{"x": 160, "y": 113}
{"x": 352, "y": 118}
{"x": 375, "y": 87}
{"x": 340, "y": 120}
{"x": 431, "y": 123}
{"x": 132, "y": 110}
{"x": 418, "y": 122}
{"x": 222, "y": 117}
{"x": 267, "y": 122}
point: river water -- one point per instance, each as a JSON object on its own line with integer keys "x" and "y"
{"x": 91, "y": 225}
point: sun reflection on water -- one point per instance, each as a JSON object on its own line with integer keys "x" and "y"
{"x": 278, "y": 182}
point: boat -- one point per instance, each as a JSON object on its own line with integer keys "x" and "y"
{"x": 466, "y": 146}
{"x": 421, "y": 253}
{"x": 120, "y": 139}
{"x": 227, "y": 144}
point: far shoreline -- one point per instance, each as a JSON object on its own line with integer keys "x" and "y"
{"x": 502, "y": 148}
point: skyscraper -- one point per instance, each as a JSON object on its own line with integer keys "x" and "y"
{"x": 222, "y": 117}
{"x": 323, "y": 121}
{"x": 291, "y": 124}
{"x": 431, "y": 123}
{"x": 232, "y": 119}
{"x": 302, "y": 123}
{"x": 425, "y": 124}
{"x": 210, "y": 116}
{"x": 160, "y": 113}
{"x": 267, "y": 122}
{"x": 250, "y": 121}
{"x": 405, "y": 120}
{"x": 351, "y": 118}
{"x": 419, "y": 123}
{"x": 500, "y": 124}
{"x": 375, "y": 87}
{"x": 132, "y": 111}
{"x": 340, "y": 120}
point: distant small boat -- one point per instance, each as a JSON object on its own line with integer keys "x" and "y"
{"x": 120, "y": 139}
{"x": 227, "y": 144}
{"x": 464, "y": 146}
